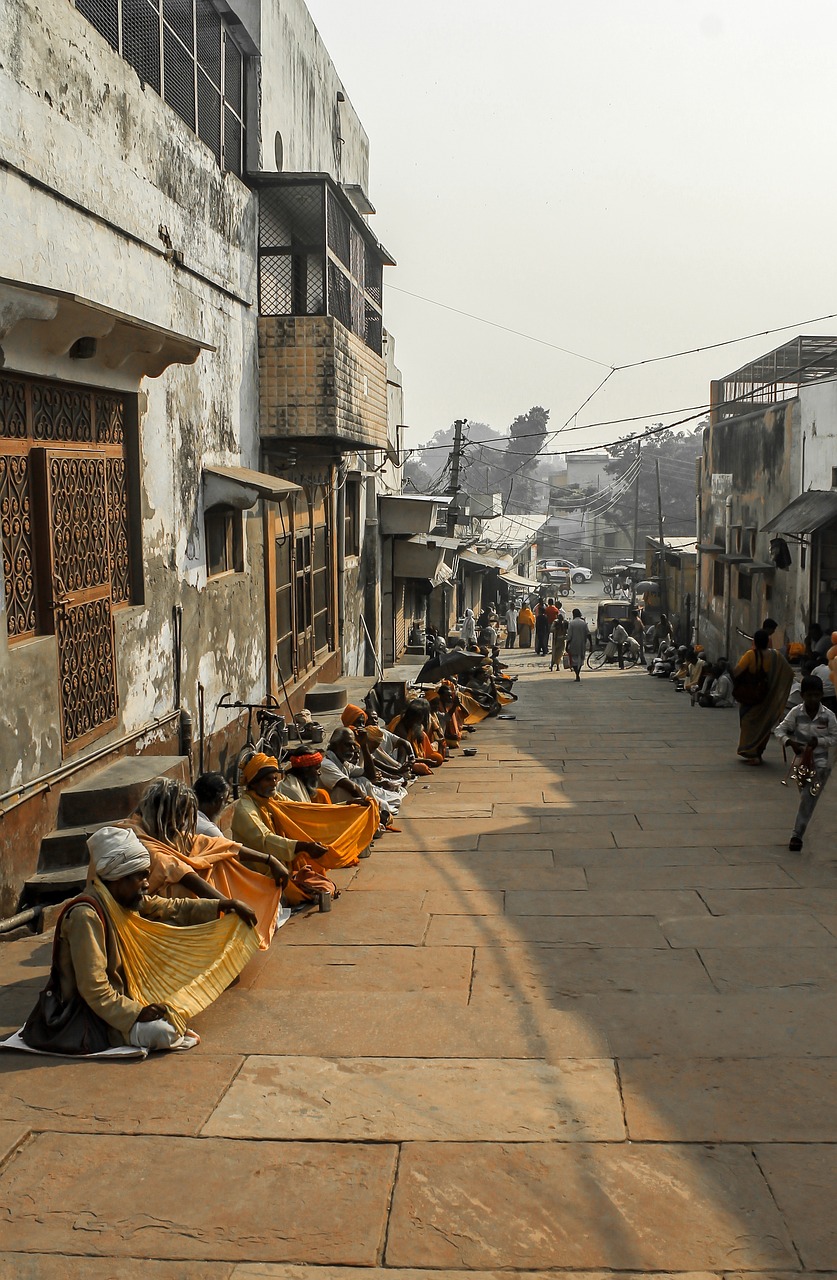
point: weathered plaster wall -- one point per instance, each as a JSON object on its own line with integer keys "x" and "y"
{"x": 756, "y": 451}
{"x": 94, "y": 165}
{"x": 299, "y": 88}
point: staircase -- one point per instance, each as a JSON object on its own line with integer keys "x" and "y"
{"x": 105, "y": 797}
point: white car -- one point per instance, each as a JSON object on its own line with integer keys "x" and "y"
{"x": 577, "y": 572}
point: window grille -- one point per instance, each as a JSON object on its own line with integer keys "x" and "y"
{"x": 201, "y": 75}
{"x": 303, "y": 228}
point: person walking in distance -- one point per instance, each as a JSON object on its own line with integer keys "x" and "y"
{"x": 511, "y": 626}
{"x": 579, "y": 641}
{"x": 542, "y": 625}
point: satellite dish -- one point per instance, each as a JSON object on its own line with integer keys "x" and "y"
{"x": 279, "y": 151}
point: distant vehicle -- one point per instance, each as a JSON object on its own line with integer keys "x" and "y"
{"x": 577, "y": 572}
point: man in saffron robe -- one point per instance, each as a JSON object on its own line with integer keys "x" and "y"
{"x": 93, "y": 963}
{"x": 309, "y": 837}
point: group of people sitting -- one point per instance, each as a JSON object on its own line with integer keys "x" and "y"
{"x": 174, "y": 906}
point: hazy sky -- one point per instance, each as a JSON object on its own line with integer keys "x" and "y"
{"x": 623, "y": 178}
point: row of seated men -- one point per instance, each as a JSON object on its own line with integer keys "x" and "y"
{"x": 174, "y": 907}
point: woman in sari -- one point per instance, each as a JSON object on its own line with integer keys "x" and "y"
{"x": 762, "y": 681}
{"x": 525, "y": 626}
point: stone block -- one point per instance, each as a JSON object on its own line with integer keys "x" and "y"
{"x": 396, "y": 1099}
{"x": 574, "y": 1206}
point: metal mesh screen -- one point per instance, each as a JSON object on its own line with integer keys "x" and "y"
{"x": 291, "y": 214}
{"x": 180, "y": 16}
{"x": 233, "y": 75}
{"x": 209, "y": 115}
{"x": 374, "y": 277}
{"x": 178, "y": 78}
{"x": 198, "y": 56}
{"x": 339, "y": 231}
{"x": 339, "y": 295}
{"x": 141, "y": 40}
{"x": 104, "y": 15}
{"x": 374, "y": 329}
{"x": 276, "y": 285}
{"x": 208, "y": 40}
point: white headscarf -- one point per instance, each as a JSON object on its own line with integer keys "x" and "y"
{"x": 116, "y": 852}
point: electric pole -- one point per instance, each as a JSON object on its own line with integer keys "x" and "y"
{"x": 663, "y": 585}
{"x": 456, "y": 456}
{"x": 636, "y": 501}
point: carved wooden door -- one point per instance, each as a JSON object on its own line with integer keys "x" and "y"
{"x": 76, "y": 493}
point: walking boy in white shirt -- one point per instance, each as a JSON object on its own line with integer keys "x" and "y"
{"x": 809, "y": 724}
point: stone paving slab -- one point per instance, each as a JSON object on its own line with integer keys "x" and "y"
{"x": 636, "y": 859}
{"x": 756, "y": 1025}
{"x": 274, "y": 1271}
{"x": 481, "y": 878}
{"x": 345, "y": 923}
{"x": 712, "y": 876}
{"x": 733, "y": 837}
{"x": 603, "y": 903}
{"x": 169, "y": 1093}
{"x": 404, "y": 1025}
{"x": 524, "y": 970}
{"x": 763, "y": 968}
{"x": 465, "y": 902}
{"x": 573, "y": 1205}
{"x": 393, "y": 1099}
{"x": 730, "y": 1100}
{"x": 43, "y": 1266}
{"x": 512, "y": 840}
{"x": 72, "y": 1193}
{"x": 353, "y": 969}
{"x": 747, "y": 930}
{"x": 26, "y": 960}
{"x": 817, "y": 902}
{"x": 802, "y": 1179}
{"x": 11, "y": 1136}
{"x": 568, "y": 931}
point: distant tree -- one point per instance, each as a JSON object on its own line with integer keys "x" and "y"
{"x": 676, "y": 452}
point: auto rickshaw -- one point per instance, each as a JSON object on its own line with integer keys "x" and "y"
{"x": 558, "y": 581}
{"x": 608, "y": 614}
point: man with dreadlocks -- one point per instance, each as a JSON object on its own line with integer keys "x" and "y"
{"x": 311, "y": 836}
{"x": 185, "y": 864}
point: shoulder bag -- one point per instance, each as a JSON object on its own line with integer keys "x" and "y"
{"x": 71, "y": 1026}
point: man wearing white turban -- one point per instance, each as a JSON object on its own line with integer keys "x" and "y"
{"x": 92, "y": 933}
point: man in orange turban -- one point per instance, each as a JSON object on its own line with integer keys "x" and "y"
{"x": 313, "y": 837}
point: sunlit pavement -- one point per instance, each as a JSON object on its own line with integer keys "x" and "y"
{"x": 579, "y": 1015}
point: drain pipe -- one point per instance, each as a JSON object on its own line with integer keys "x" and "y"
{"x": 727, "y": 573}
{"x": 23, "y": 917}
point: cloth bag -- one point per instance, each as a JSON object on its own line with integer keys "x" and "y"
{"x": 751, "y": 687}
{"x": 568, "y": 662}
{"x": 69, "y": 1027}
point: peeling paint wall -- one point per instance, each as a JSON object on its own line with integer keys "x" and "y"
{"x": 750, "y": 459}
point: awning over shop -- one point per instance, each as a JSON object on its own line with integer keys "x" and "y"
{"x": 413, "y": 559}
{"x": 807, "y": 513}
{"x": 241, "y": 488}
{"x": 515, "y": 580}
{"x": 485, "y": 560}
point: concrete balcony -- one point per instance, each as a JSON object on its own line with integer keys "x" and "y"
{"x": 318, "y": 380}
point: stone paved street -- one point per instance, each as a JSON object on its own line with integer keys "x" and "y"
{"x": 579, "y": 1016}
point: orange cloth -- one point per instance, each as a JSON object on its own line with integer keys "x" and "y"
{"x": 351, "y": 715}
{"x": 255, "y": 765}
{"x": 474, "y": 713}
{"x": 345, "y": 829}
{"x": 421, "y": 743}
{"x": 216, "y": 861}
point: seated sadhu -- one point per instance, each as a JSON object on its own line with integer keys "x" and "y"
{"x": 413, "y": 724}
{"x": 348, "y": 772}
{"x": 310, "y": 837}
{"x": 186, "y": 864}
{"x": 392, "y": 756}
{"x": 143, "y": 965}
{"x": 302, "y": 778}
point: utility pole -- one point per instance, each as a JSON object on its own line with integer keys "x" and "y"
{"x": 456, "y": 457}
{"x": 636, "y": 502}
{"x": 663, "y": 584}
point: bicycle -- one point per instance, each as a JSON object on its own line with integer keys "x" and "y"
{"x": 272, "y": 740}
{"x": 609, "y": 653}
